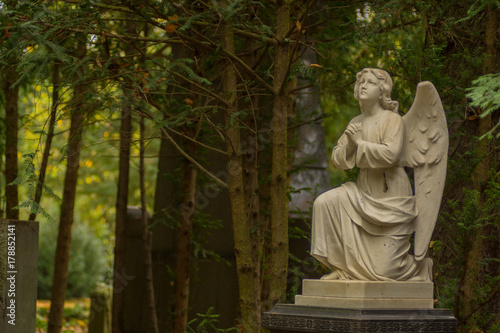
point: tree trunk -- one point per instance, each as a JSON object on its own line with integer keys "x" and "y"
{"x": 146, "y": 239}
{"x": 50, "y": 135}
{"x": 250, "y": 163}
{"x": 122, "y": 198}
{"x": 249, "y": 299}
{"x": 279, "y": 180}
{"x": 67, "y": 207}
{"x": 251, "y": 159}
{"x": 11, "y": 127}
{"x": 121, "y": 217}
{"x": 472, "y": 279}
{"x": 184, "y": 240}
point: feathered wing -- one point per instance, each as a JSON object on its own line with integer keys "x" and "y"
{"x": 426, "y": 150}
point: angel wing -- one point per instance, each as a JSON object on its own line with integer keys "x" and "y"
{"x": 426, "y": 150}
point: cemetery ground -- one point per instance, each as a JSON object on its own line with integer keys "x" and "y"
{"x": 75, "y": 315}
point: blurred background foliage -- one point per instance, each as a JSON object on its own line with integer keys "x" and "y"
{"x": 91, "y": 261}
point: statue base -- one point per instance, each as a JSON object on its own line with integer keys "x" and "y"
{"x": 360, "y": 307}
{"x": 350, "y": 294}
{"x": 291, "y": 318}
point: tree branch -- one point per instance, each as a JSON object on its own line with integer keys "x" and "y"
{"x": 119, "y": 36}
{"x": 101, "y": 5}
{"x": 248, "y": 69}
{"x": 301, "y": 18}
{"x": 489, "y": 300}
{"x": 240, "y": 32}
{"x": 191, "y": 159}
{"x": 301, "y": 88}
{"x": 207, "y": 91}
{"x": 196, "y": 141}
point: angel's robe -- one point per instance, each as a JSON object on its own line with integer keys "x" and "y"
{"x": 362, "y": 229}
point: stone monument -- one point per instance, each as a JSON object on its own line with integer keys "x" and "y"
{"x": 361, "y": 230}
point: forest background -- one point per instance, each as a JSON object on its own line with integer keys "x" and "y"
{"x": 94, "y": 91}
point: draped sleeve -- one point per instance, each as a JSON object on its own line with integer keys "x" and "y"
{"x": 342, "y": 156}
{"x": 387, "y": 153}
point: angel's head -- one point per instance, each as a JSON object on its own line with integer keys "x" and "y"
{"x": 383, "y": 87}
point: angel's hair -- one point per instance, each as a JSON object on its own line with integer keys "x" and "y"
{"x": 385, "y": 83}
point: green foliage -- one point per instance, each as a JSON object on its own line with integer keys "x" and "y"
{"x": 87, "y": 262}
{"x": 41, "y": 323}
{"x": 203, "y": 227}
{"x": 299, "y": 229}
{"x": 30, "y": 180}
{"x": 78, "y": 311}
{"x": 75, "y": 315}
{"x": 206, "y": 323}
{"x": 460, "y": 226}
{"x": 485, "y": 93}
{"x": 465, "y": 216}
{"x": 294, "y": 281}
{"x": 352, "y": 174}
{"x": 477, "y": 7}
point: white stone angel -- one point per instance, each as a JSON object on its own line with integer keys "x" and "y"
{"x": 361, "y": 230}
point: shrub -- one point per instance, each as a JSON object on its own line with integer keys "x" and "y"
{"x": 86, "y": 266}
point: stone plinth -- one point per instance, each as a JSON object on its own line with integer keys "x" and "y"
{"x": 293, "y": 318}
{"x": 361, "y": 307}
{"x": 366, "y": 294}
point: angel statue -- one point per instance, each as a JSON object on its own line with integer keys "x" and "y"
{"x": 361, "y": 230}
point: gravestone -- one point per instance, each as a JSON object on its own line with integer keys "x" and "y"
{"x": 100, "y": 310}
{"x": 19, "y": 265}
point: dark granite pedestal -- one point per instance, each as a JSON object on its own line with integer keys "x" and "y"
{"x": 290, "y": 318}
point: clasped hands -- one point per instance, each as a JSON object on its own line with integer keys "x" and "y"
{"x": 354, "y": 134}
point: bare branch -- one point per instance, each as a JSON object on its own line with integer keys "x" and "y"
{"x": 192, "y": 160}
{"x": 207, "y": 91}
{"x": 196, "y": 141}
{"x": 101, "y": 5}
{"x": 301, "y": 88}
{"x": 248, "y": 69}
{"x": 301, "y": 18}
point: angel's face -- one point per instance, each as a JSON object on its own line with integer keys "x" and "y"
{"x": 369, "y": 88}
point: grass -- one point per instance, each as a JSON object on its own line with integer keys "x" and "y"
{"x": 75, "y": 315}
